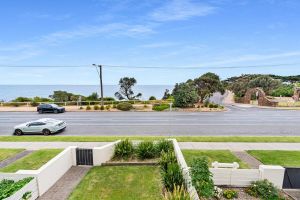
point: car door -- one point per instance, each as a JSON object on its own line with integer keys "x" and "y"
{"x": 35, "y": 127}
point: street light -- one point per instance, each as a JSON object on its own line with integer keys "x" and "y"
{"x": 100, "y": 77}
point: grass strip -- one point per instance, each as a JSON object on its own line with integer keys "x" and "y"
{"x": 150, "y": 138}
{"x": 120, "y": 183}
{"x": 7, "y": 153}
{"x": 277, "y": 157}
{"x": 32, "y": 161}
{"x": 223, "y": 156}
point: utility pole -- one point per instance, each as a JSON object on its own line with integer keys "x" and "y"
{"x": 100, "y": 78}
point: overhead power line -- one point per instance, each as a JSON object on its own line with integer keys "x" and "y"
{"x": 152, "y": 67}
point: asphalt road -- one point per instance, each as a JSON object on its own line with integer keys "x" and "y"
{"x": 235, "y": 122}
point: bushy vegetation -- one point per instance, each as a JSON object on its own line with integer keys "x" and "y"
{"x": 264, "y": 190}
{"x": 185, "y": 95}
{"x": 146, "y": 150}
{"x": 88, "y": 108}
{"x": 172, "y": 176}
{"x": 230, "y": 194}
{"x": 202, "y": 177}
{"x": 96, "y": 107}
{"x": 124, "y": 106}
{"x": 179, "y": 193}
{"x": 152, "y": 98}
{"x": 124, "y": 150}
{"x": 125, "y": 92}
{"x": 9, "y": 187}
{"x": 285, "y": 90}
{"x": 164, "y": 146}
{"x": 160, "y": 107}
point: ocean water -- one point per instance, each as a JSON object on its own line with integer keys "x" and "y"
{"x": 9, "y": 92}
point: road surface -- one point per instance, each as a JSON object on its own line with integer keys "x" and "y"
{"x": 235, "y": 122}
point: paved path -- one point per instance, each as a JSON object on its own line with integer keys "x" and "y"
{"x": 246, "y": 158}
{"x": 66, "y": 184}
{"x": 8, "y": 161}
{"x": 237, "y": 121}
{"x": 233, "y": 146}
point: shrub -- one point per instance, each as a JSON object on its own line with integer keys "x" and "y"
{"x": 146, "y": 150}
{"x": 101, "y": 107}
{"x": 34, "y": 104}
{"x": 185, "y": 95}
{"x": 164, "y": 146}
{"x": 230, "y": 194}
{"x": 124, "y": 106}
{"x": 152, "y": 98}
{"x": 9, "y": 187}
{"x": 114, "y": 106}
{"x": 124, "y": 149}
{"x": 264, "y": 190}
{"x": 88, "y": 108}
{"x": 96, "y": 107}
{"x": 108, "y": 107}
{"x": 206, "y": 103}
{"x": 165, "y": 159}
{"x": 211, "y": 105}
{"x": 80, "y": 108}
{"x": 179, "y": 193}
{"x": 172, "y": 176}
{"x": 202, "y": 177}
{"x": 160, "y": 107}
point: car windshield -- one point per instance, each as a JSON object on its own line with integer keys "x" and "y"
{"x": 54, "y": 105}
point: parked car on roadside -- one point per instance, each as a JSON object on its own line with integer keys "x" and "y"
{"x": 46, "y": 126}
{"x": 50, "y": 108}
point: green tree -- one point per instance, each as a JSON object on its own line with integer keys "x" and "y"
{"x": 285, "y": 90}
{"x": 61, "y": 96}
{"x": 265, "y": 82}
{"x": 167, "y": 94}
{"x": 125, "y": 91}
{"x": 93, "y": 97}
{"x": 185, "y": 95}
{"x": 207, "y": 84}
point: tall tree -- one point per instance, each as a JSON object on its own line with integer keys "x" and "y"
{"x": 207, "y": 84}
{"x": 266, "y": 83}
{"x": 125, "y": 91}
{"x": 184, "y": 95}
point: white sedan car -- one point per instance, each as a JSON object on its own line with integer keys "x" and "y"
{"x": 44, "y": 126}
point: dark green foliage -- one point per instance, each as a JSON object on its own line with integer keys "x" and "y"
{"x": 202, "y": 177}
{"x": 34, "y": 104}
{"x": 264, "y": 190}
{"x": 207, "y": 84}
{"x": 172, "y": 176}
{"x": 230, "y": 194}
{"x": 124, "y": 150}
{"x": 88, "y": 108}
{"x": 152, "y": 98}
{"x": 165, "y": 159}
{"x": 146, "y": 150}
{"x": 167, "y": 94}
{"x": 101, "y": 107}
{"x": 124, "y": 106}
{"x": 285, "y": 90}
{"x": 27, "y": 195}
{"x": 9, "y": 187}
{"x": 265, "y": 82}
{"x": 96, "y": 107}
{"x": 185, "y": 95}
{"x": 93, "y": 97}
{"x": 22, "y": 99}
{"x": 108, "y": 99}
{"x": 160, "y": 107}
{"x": 164, "y": 146}
{"x": 126, "y": 84}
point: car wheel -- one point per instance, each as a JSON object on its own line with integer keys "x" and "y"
{"x": 55, "y": 111}
{"x": 46, "y": 132}
{"x": 18, "y": 132}
{"x": 40, "y": 111}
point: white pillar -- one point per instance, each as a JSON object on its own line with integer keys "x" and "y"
{"x": 274, "y": 173}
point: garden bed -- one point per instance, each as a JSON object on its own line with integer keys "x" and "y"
{"x": 32, "y": 161}
{"x": 120, "y": 182}
{"x": 223, "y": 156}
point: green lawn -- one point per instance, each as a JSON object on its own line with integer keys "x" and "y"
{"x": 120, "y": 183}
{"x": 224, "y": 156}
{"x": 32, "y": 161}
{"x": 283, "y": 158}
{"x": 7, "y": 153}
{"x": 113, "y": 138}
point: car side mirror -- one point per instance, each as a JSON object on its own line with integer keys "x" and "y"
{"x": 27, "y": 125}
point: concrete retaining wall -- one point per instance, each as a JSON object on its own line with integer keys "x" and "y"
{"x": 104, "y": 153}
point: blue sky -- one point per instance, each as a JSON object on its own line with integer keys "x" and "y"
{"x": 187, "y": 33}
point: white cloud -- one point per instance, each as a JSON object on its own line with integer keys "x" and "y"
{"x": 181, "y": 10}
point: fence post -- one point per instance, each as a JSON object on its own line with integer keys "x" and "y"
{"x": 273, "y": 173}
